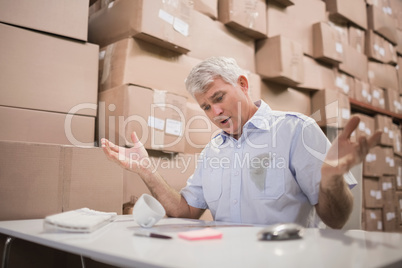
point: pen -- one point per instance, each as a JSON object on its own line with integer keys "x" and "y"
{"x": 154, "y": 235}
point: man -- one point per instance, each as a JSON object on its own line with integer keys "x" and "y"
{"x": 265, "y": 166}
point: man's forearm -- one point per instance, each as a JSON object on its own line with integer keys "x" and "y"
{"x": 173, "y": 202}
{"x": 335, "y": 202}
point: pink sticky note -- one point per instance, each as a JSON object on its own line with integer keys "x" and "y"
{"x": 206, "y": 233}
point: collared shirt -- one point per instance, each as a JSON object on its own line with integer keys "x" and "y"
{"x": 271, "y": 174}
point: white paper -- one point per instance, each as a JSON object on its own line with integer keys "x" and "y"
{"x": 173, "y": 127}
{"x": 155, "y": 122}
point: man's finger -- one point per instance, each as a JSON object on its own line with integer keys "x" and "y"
{"x": 108, "y": 144}
{"x": 351, "y": 125}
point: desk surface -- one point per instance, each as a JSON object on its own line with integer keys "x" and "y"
{"x": 115, "y": 244}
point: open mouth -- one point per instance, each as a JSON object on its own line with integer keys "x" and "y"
{"x": 225, "y": 121}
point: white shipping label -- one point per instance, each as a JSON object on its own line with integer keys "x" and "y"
{"x": 400, "y": 205}
{"x": 372, "y": 215}
{"x": 345, "y": 113}
{"x": 156, "y": 123}
{"x": 376, "y": 94}
{"x": 338, "y": 47}
{"x": 379, "y": 196}
{"x": 346, "y": 88}
{"x": 181, "y": 26}
{"x": 384, "y": 186}
{"x": 173, "y": 127}
{"x": 371, "y": 157}
{"x": 390, "y": 216}
{"x": 379, "y": 225}
{"x": 382, "y": 51}
{"x": 166, "y": 16}
{"x": 339, "y": 82}
{"x": 373, "y": 193}
{"x": 102, "y": 54}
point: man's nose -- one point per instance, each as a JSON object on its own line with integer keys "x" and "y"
{"x": 217, "y": 110}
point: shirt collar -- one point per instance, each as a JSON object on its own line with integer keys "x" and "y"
{"x": 258, "y": 120}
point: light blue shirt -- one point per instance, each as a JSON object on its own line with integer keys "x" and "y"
{"x": 271, "y": 174}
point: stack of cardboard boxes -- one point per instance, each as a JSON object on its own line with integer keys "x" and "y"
{"x": 310, "y": 56}
{"x": 48, "y": 108}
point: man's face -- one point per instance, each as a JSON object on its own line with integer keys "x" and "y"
{"x": 225, "y": 105}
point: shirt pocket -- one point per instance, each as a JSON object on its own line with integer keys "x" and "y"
{"x": 267, "y": 183}
{"x": 212, "y": 184}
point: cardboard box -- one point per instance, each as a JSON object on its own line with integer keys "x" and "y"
{"x": 158, "y": 117}
{"x": 373, "y": 220}
{"x": 365, "y": 128}
{"x": 286, "y": 60}
{"x": 348, "y": 11}
{"x": 67, "y": 18}
{"x": 344, "y": 83}
{"x": 362, "y": 92}
{"x": 328, "y": 46}
{"x": 47, "y": 73}
{"x": 248, "y": 17}
{"x": 389, "y": 218}
{"x": 41, "y": 179}
{"x": 164, "y": 23}
{"x": 382, "y": 23}
{"x": 354, "y": 63}
{"x": 384, "y": 123}
{"x": 283, "y": 98}
{"x": 387, "y": 185}
{"x": 399, "y": 202}
{"x": 207, "y": 7}
{"x": 373, "y": 164}
{"x": 382, "y": 75}
{"x": 398, "y": 176}
{"x": 212, "y": 38}
{"x": 379, "y": 49}
{"x": 397, "y": 139}
{"x": 254, "y": 86}
{"x": 391, "y": 56}
{"x": 389, "y": 166}
{"x": 132, "y": 61}
{"x": 399, "y": 74}
{"x": 356, "y": 37}
{"x": 330, "y": 107}
{"x": 378, "y": 99}
{"x": 392, "y": 101}
{"x": 372, "y": 193}
{"x": 398, "y": 46}
{"x": 295, "y": 21}
{"x": 317, "y": 76}
{"x": 46, "y": 127}
{"x": 375, "y": 46}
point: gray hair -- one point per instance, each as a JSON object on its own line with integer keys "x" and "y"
{"x": 203, "y": 74}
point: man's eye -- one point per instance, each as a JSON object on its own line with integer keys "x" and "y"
{"x": 206, "y": 108}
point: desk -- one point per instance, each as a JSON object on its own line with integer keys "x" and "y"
{"x": 115, "y": 244}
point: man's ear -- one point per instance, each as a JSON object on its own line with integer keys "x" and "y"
{"x": 243, "y": 82}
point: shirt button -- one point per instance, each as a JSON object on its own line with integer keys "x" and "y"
{"x": 235, "y": 201}
{"x": 236, "y": 173}
{"x": 238, "y": 146}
